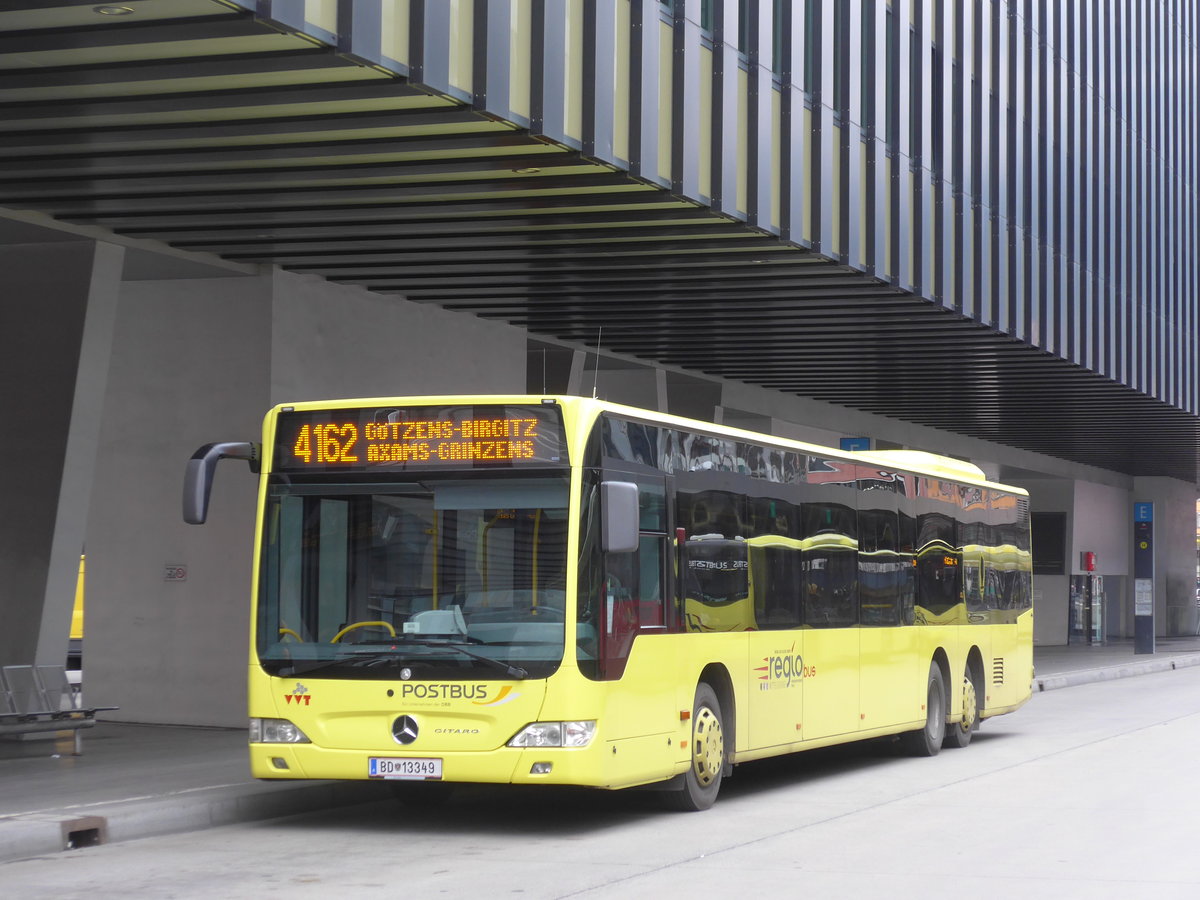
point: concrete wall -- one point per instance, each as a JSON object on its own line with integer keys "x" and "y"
{"x": 1052, "y": 593}
{"x": 201, "y": 360}
{"x": 331, "y": 341}
{"x": 1101, "y": 525}
{"x": 189, "y": 367}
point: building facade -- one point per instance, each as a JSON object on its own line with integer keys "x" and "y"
{"x": 966, "y": 227}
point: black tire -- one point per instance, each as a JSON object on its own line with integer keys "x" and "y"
{"x": 927, "y": 741}
{"x": 422, "y": 794}
{"x": 960, "y": 731}
{"x": 700, "y": 784}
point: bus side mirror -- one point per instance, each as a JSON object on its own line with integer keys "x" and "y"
{"x": 619, "y": 518}
{"x": 198, "y": 478}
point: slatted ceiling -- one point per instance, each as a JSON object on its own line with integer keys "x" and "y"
{"x": 219, "y": 187}
{"x": 521, "y": 247}
{"x": 192, "y": 123}
{"x": 142, "y": 109}
{"x": 350, "y": 223}
{"x": 19, "y": 15}
{"x": 236, "y": 134}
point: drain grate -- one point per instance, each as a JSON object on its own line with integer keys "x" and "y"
{"x": 90, "y": 831}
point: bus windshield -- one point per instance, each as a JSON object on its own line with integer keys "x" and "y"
{"x": 441, "y": 576}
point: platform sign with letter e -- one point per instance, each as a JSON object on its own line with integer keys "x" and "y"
{"x": 1143, "y": 578}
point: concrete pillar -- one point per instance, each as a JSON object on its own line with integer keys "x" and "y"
{"x": 1051, "y": 590}
{"x": 579, "y": 367}
{"x": 617, "y": 381}
{"x": 56, "y": 325}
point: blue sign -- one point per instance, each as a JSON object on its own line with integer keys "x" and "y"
{"x": 1143, "y": 512}
{"x": 856, "y": 443}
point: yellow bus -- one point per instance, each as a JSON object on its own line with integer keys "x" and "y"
{"x": 75, "y": 640}
{"x": 560, "y": 590}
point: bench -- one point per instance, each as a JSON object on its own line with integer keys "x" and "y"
{"x": 40, "y": 698}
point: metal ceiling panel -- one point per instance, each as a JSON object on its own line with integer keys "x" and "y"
{"x": 197, "y": 124}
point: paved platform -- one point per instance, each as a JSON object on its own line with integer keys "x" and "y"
{"x": 137, "y": 781}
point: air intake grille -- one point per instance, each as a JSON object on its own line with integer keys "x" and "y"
{"x": 998, "y": 670}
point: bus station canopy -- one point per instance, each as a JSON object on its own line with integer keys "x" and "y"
{"x": 194, "y": 124}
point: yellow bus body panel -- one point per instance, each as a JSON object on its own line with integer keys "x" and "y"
{"x": 852, "y": 683}
{"x": 77, "y": 612}
{"x": 641, "y": 735}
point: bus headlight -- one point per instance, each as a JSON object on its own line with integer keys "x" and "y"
{"x": 276, "y": 731}
{"x": 554, "y": 734}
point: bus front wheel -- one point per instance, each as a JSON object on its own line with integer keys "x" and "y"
{"x": 702, "y": 780}
{"x": 927, "y": 741}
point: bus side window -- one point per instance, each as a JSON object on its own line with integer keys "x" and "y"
{"x": 650, "y": 580}
{"x": 620, "y": 597}
{"x": 908, "y": 563}
{"x": 775, "y": 577}
{"x": 830, "y": 565}
{"x": 633, "y": 586}
{"x": 634, "y": 594}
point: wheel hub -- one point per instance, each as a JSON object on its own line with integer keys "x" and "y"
{"x": 970, "y": 705}
{"x": 708, "y": 747}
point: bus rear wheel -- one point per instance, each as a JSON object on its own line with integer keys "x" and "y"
{"x": 959, "y": 732}
{"x": 702, "y": 781}
{"x": 927, "y": 741}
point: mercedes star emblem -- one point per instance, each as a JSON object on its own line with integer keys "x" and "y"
{"x": 404, "y": 730}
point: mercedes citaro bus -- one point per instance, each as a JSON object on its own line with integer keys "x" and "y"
{"x": 560, "y": 590}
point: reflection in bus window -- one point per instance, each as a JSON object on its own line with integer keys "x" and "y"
{"x": 830, "y": 565}
{"x": 879, "y": 568}
{"x": 830, "y": 584}
{"x": 938, "y": 579}
{"x": 775, "y": 578}
{"x": 716, "y": 585}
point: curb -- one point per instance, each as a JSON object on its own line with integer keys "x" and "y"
{"x": 38, "y": 833}
{"x": 1110, "y": 673}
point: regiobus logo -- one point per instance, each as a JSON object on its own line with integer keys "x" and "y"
{"x": 781, "y": 670}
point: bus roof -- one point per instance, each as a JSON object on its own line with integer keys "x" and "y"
{"x": 919, "y": 462}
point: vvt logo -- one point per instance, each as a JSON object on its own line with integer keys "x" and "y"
{"x": 299, "y": 695}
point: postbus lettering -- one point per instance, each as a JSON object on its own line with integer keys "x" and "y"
{"x": 444, "y": 691}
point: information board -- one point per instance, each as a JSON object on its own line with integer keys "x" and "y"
{"x": 389, "y": 437}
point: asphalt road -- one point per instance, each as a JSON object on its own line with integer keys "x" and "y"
{"x": 1087, "y": 792}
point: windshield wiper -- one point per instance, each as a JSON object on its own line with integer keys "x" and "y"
{"x": 514, "y": 671}
{"x": 366, "y": 658}
{"x": 357, "y": 658}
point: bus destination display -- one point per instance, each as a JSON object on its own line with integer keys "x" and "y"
{"x": 390, "y": 437}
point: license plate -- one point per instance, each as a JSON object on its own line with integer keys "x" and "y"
{"x": 403, "y": 767}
